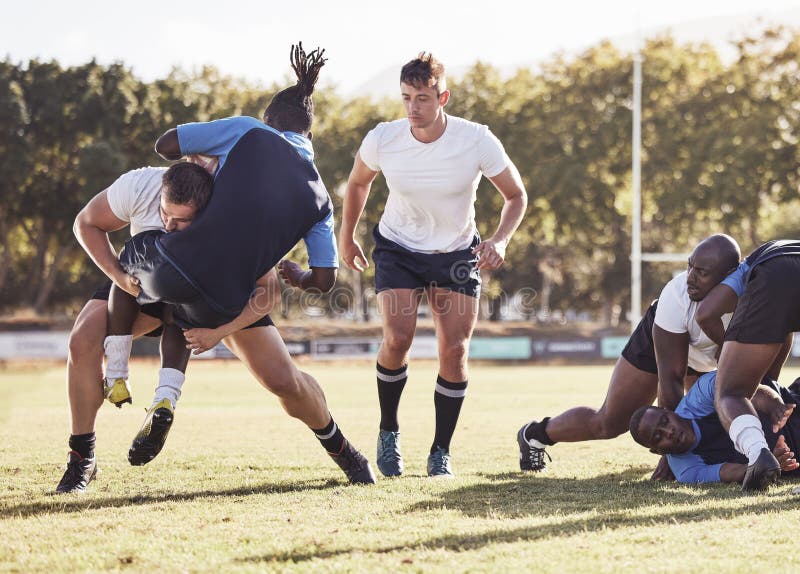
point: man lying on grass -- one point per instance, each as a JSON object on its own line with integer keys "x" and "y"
{"x": 696, "y": 445}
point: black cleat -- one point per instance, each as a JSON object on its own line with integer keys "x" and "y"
{"x": 354, "y": 465}
{"x": 531, "y": 457}
{"x": 763, "y": 472}
{"x": 80, "y": 472}
{"x": 150, "y": 440}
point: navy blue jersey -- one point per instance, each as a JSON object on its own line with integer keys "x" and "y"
{"x": 713, "y": 446}
{"x": 771, "y": 249}
{"x": 266, "y": 198}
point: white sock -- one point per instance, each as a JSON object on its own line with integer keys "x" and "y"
{"x": 169, "y": 386}
{"x": 748, "y": 436}
{"x": 118, "y": 352}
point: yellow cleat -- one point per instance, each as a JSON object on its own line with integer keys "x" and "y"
{"x": 118, "y": 393}
{"x": 150, "y": 439}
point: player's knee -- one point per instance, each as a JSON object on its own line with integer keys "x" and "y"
{"x": 287, "y": 385}
{"x": 454, "y": 353}
{"x": 84, "y": 345}
{"x": 398, "y": 343}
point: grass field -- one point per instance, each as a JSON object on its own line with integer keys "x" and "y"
{"x": 240, "y": 487}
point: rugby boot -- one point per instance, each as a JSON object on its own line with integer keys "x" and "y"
{"x": 439, "y": 464}
{"x": 531, "y": 456}
{"x": 151, "y": 437}
{"x": 80, "y": 472}
{"x": 117, "y": 392}
{"x": 763, "y": 472}
{"x": 355, "y": 466}
{"x": 389, "y": 460}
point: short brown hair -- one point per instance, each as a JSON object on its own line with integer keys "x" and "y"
{"x": 424, "y": 71}
{"x": 187, "y": 183}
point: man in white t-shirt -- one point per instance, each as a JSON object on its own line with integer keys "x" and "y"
{"x": 666, "y": 352}
{"x": 427, "y": 241}
{"x": 140, "y": 200}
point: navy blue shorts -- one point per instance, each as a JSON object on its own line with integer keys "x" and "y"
{"x": 399, "y": 268}
{"x": 162, "y": 281}
{"x": 640, "y": 350}
{"x": 769, "y": 308}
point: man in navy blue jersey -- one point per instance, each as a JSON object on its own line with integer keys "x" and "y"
{"x": 696, "y": 445}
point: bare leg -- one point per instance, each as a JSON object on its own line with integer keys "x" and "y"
{"x": 454, "y": 315}
{"x": 174, "y": 354}
{"x": 85, "y": 362}
{"x": 262, "y": 350}
{"x": 740, "y": 369}
{"x": 398, "y": 311}
{"x": 629, "y": 389}
{"x": 264, "y": 353}
{"x": 122, "y": 311}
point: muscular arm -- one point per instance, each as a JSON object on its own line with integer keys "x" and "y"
{"x": 732, "y": 472}
{"x": 509, "y": 183}
{"x": 321, "y": 278}
{"x": 168, "y": 147}
{"x": 265, "y": 297}
{"x": 91, "y": 228}
{"x": 672, "y": 355}
{"x": 719, "y": 301}
{"x": 493, "y": 251}
{"x": 355, "y": 198}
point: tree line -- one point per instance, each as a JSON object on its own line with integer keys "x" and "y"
{"x": 720, "y": 154}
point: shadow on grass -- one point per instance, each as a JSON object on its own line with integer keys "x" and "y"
{"x": 610, "y": 501}
{"x": 58, "y": 503}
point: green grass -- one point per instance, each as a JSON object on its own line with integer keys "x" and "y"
{"x": 240, "y": 487}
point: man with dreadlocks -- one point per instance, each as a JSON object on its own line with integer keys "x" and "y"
{"x": 267, "y": 196}
{"x": 427, "y": 240}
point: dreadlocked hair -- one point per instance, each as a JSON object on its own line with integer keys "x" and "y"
{"x": 292, "y": 109}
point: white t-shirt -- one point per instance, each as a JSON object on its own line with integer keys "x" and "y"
{"x": 431, "y": 203}
{"x": 676, "y": 313}
{"x": 135, "y": 198}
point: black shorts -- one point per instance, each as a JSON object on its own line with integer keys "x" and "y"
{"x": 399, "y": 268}
{"x": 152, "y": 309}
{"x": 640, "y": 350}
{"x": 162, "y": 282}
{"x": 769, "y": 308}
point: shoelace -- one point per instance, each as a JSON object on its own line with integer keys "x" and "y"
{"x": 389, "y": 448}
{"x": 348, "y": 461}
{"x": 441, "y": 463}
{"x": 74, "y": 471}
{"x": 537, "y": 457}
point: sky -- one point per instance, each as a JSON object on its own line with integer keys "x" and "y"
{"x": 251, "y": 39}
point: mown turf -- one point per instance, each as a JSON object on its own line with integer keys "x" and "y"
{"x": 240, "y": 487}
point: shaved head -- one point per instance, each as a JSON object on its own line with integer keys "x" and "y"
{"x": 713, "y": 259}
{"x": 723, "y": 249}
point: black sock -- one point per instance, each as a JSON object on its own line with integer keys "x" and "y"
{"x": 83, "y": 444}
{"x": 447, "y": 400}
{"x": 331, "y": 437}
{"x": 538, "y": 431}
{"x": 390, "y": 386}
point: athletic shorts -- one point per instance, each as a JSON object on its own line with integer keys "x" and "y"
{"x": 769, "y": 308}
{"x": 152, "y": 309}
{"x": 399, "y": 268}
{"x": 640, "y": 350}
{"x": 162, "y": 281}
